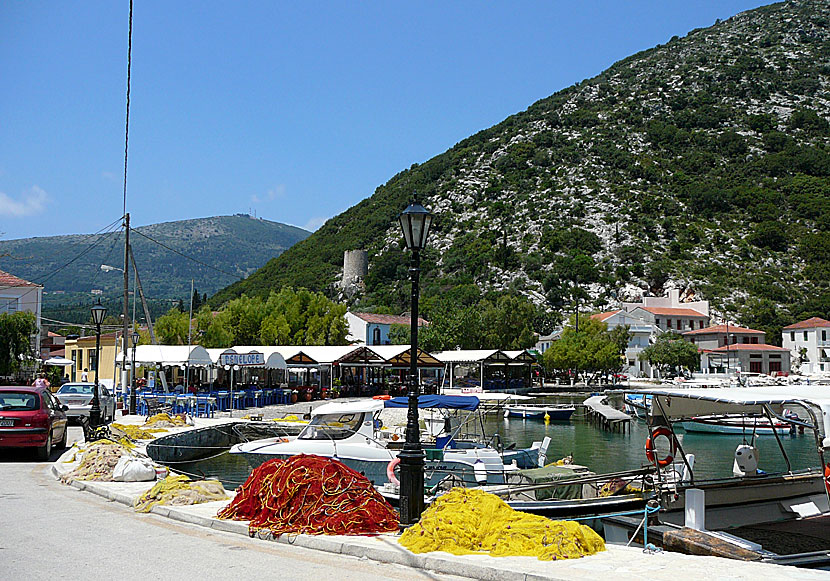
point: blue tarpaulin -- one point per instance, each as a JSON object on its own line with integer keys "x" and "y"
{"x": 452, "y": 402}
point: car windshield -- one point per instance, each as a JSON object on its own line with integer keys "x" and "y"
{"x": 75, "y": 388}
{"x": 331, "y": 426}
{"x": 18, "y": 401}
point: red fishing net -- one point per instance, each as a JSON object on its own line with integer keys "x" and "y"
{"x": 311, "y": 495}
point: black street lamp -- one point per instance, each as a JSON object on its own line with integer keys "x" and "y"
{"x": 415, "y": 222}
{"x": 99, "y": 311}
{"x": 135, "y": 339}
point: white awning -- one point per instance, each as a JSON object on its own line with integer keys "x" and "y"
{"x": 59, "y": 361}
{"x": 471, "y": 356}
{"x": 168, "y": 355}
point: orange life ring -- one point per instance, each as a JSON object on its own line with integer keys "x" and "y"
{"x": 827, "y": 477}
{"x": 390, "y": 471}
{"x": 383, "y": 397}
{"x": 669, "y": 458}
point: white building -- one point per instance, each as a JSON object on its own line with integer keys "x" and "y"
{"x": 809, "y": 344}
{"x": 373, "y": 329}
{"x": 642, "y": 333}
{"x": 669, "y": 313}
{"x": 17, "y": 295}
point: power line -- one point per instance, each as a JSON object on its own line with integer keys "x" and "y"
{"x": 196, "y": 260}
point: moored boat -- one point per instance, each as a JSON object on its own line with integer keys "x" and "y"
{"x": 557, "y": 413}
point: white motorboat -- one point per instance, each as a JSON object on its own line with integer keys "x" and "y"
{"x": 352, "y": 432}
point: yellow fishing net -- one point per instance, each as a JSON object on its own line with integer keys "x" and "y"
{"x": 136, "y": 432}
{"x": 179, "y": 490}
{"x": 468, "y": 521}
{"x": 164, "y": 420}
{"x": 97, "y": 461}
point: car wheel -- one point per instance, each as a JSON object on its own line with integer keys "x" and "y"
{"x": 62, "y": 444}
{"x": 45, "y": 451}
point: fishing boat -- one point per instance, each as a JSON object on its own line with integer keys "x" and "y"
{"x": 556, "y": 413}
{"x": 353, "y": 432}
{"x": 740, "y": 425}
{"x": 752, "y": 497}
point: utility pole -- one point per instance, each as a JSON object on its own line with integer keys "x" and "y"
{"x": 126, "y": 332}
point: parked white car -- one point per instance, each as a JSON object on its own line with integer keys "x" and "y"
{"x": 78, "y": 396}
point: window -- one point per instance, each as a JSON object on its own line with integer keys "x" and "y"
{"x": 823, "y": 335}
{"x": 16, "y": 401}
{"x": 668, "y": 323}
{"x": 701, "y": 324}
{"x": 331, "y": 427}
{"x": 93, "y": 364}
{"x": 755, "y": 366}
{"x": 754, "y": 340}
{"x": 745, "y": 340}
{"x": 376, "y": 336}
{"x": 805, "y": 335}
{"x": 774, "y": 366}
{"x": 8, "y": 305}
{"x": 792, "y": 335}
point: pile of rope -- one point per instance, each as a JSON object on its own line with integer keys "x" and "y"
{"x": 469, "y": 521}
{"x": 98, "y": 460}
{"x": 136, "y": 432}
{"x": 164, "y": 420}
{"x": 179, "y": 491}
{"x": 310, "y": 495}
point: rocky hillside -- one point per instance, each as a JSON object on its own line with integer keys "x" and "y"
{"x": 701, "y": 164}
{"x": 227, "y": 248}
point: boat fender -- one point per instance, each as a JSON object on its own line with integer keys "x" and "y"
{"x": 480, "y": 471}
{"x": 827, "y": 477}
{"x": 383, "y": 397}
{"x": 668, "y": 458}
{"x": 390, "y": 471}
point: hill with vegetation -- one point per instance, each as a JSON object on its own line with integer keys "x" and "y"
{"x": 700, "y": 164}
{"x": 214, "y": 252}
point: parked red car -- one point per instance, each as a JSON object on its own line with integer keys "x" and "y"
{"x": 31, "y": 417}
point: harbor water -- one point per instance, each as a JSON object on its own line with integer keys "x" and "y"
{"x": 599, "y": 450}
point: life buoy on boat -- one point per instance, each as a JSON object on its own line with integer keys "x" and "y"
{"x": 827, "y": 477}
{"x": 668, "y": 458}
{"x": 390, "y": 471}
{"x": 383, "y": 397}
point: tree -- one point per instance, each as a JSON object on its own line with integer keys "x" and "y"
{"x": 171, "y": 328}
{"x": 592, "y": 350}
{"x": 16, "y": 330}
{"x": 671, "y": 353}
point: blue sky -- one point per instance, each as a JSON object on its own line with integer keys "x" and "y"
{"x": 292, "y": 110}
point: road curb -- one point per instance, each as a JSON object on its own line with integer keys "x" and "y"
{"x": 392, "y": 553}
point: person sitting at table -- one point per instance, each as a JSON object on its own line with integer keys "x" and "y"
{"x": 179, "y": 388}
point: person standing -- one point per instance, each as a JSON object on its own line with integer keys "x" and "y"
{"x": 41, "y": 381}
{"x": 85, "y": 375}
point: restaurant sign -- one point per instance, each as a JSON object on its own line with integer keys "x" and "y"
{"x": 252, "y": 359}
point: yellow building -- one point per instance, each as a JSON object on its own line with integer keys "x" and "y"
{"x": 82, "y": 353}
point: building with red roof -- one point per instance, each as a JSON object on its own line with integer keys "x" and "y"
{"x": 373, "y": 329}
{"x": 809, "y": 344}
{"x": 16, "y": 295}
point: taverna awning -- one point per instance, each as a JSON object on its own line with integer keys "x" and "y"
{"x": 520, "y": 356}
{"x": 262, "y": 357}
{"x": 389, "y": 356}
{"x": 683, "y": 403}
{"x": 168, "y": 355}
{"x": 473, "y": 356}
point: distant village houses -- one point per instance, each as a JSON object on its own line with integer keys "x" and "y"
{"x": 373, "y": 329}
{"x": 18, "y": 295}
{"x": 808, "y": 342}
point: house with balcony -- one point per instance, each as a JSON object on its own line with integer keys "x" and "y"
{"x": 670, "y": 313}
{"x": 808, "y": 342}
{"x": 641, "y": 334}
{"x": 730, "y": 348}
{"x": 373, "y": 329}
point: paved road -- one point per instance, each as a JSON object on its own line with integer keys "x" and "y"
{"x": 52, "y": 531}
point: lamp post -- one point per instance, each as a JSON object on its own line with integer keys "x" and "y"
{"x": 135, "y": 339}
{"x": 415, "y": 222}
{"x": 98, "y": 313}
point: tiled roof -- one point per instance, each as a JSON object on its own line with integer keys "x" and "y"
{"x": 673, "y": 312}
{"x": 388, "y": 319}
{"x": 810, "y": 323}
{"x": 723, "y": 329}
{"x": 605, "y": 315}
{"x": 746, "y": 347}
{"x": 10, "y": 280}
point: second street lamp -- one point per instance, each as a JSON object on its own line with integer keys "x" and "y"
{"x": 135, "y": 339}
{"x": 99, "y": 311}
{"x": 415, "y": 222}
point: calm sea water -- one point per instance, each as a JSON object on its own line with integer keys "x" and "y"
{"x": 591, "y": 446}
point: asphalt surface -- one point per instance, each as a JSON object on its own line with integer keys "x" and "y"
{"x": 53, "y": 531}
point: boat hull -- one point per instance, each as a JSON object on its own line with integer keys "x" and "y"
{"x": 526, "y": 413}
{"x": 713, "y": 427}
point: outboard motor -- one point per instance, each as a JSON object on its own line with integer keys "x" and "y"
{"x": 746, "y": 461}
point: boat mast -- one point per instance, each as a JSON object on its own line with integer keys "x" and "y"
{"x": 126, "y": 328}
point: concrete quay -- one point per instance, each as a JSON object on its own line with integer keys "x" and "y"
{"x": 621, "y": 563}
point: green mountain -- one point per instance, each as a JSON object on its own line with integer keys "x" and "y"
{"x": 700, "y": 164}
{"x": 213, "y": 252}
